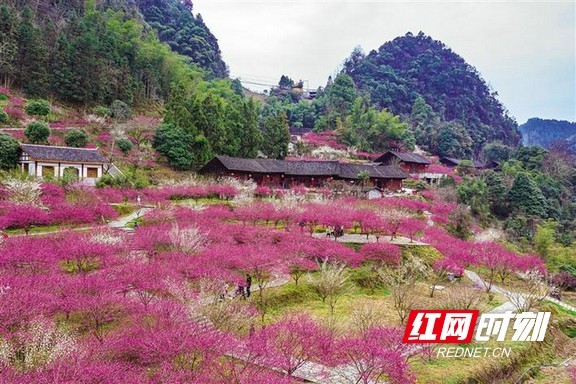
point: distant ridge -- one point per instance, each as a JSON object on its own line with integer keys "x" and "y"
{"x": 546, "y": 132}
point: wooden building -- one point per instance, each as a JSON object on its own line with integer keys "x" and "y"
{"x": 54, "y": 162}
{"x": 385, "y": 177}
{"x": 453, "y": 163}
{"x": 410, "y": 162}
{"x": 312, "y": 174}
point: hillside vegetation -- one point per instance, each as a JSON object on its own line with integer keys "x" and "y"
{"x": 89, "y": 52}
{"x": 416, "y": 74}
{"x": 185, "y": 33}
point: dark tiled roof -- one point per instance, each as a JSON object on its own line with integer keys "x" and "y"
{"x": 272, "y": 165}
{"x": 66, "y": 154}
{"x": 450, "y": 160}
{"x": 307, "y": 168}
{"x": 407, "y": 157}
{"x": 475, "y": 163}
{"x": 351, "y": 171}
{"x": 247, "y": 165}
{"x": 312, "y": 168}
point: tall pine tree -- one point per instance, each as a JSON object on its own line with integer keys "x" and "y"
{"x": 276, "y": 136}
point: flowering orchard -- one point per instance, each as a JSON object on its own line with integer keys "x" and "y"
{"x": 171, "y": 301}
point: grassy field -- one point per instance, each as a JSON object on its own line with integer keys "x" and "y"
{"x": 360, "y": 307}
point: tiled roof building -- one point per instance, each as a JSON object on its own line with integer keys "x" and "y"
{"x": 282, "y": 173}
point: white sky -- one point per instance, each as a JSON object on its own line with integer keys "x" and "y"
{"x": 525, "y": 50}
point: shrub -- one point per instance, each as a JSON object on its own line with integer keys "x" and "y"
{"x": 141, "y": 182}
{"x": 38, "y": 108}
{"x": 101, "y": 111}
{"x": 367, "y": 277}
{"x": 8, "y": 151}
{"x": 120, "y": 111}
{"x": 418, "y": 185}
{"x": 37, "y": 132}
{"x": 124, "y": 145}
{"x": 4, "y": 117}
{"x": 76, "y": 138}
{"x": 108, "y": 180}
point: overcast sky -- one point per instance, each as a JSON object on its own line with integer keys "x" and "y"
{"x": 526, "y": 51}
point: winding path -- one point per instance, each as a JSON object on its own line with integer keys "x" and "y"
{"x": 123, "y": 221}
{"x": 509, "y": 306}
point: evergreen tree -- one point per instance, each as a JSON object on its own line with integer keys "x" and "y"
{"x": 183, "y": 149}
{"x": 496, "y": 192}
{"x": 8, "y": 151}
{"x": 454, "y": 141}
{"x": 526, "y": 197}
{"x": 178, "y": 109}
{"x": 341, "y": 95}
{"x": 37, "y": 132}
{"x": 9, "y": 46}
{"x": 236, "y": 86}
{"x": 532, "y": 158}
{"x": 424, "y": 124}
{"x": 76, "y": 138}
{"x": 285, "y": 82}
{"x": 276, "y": 136}
{"x": 497, "y": 152}
{"x": 474, "y": 192}
{"x": 211, "y": 123}
{"x": 374, "y": 131}
{"x": 32, "y": 55}
{"x": 251, "y": 137}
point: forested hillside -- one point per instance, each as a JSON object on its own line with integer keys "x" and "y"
{"x": 89, "y": 52}
{"x": 185, "y": 33}
{"x": 449, "y": 104}
{"x": 544, "y": 133}
{"x": 93, "y": 56}
{"x": 342, "y": 110}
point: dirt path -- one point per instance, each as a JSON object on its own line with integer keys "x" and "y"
{"x": 509, "y": 306}
{"x": 119, "y": 224}
{"x": 357, "y": 238}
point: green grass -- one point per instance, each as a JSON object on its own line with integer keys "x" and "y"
{"x": 125, "y": 209}
{"x": 202, "y": 200}
{"x": 35, "y": 229}
{"x": 561, "y": 309}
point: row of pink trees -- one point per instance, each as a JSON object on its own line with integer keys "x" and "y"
{"x": 492, "y": 259}
{"x": 122, "y": 320}
{"x": 133, "y": 307}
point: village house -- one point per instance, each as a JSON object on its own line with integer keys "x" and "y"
{"x": 312, "y": 174}
{"x": 48, "y": 161}
{"x": 410, "y": 162}
{"x": 451, "y": 162}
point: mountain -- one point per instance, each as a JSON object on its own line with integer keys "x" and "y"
{"x": 413, "y": 67}
{"x": 185, "y": 33}
{"x": 544, "y": 133}
{"x": 90, "y": 52}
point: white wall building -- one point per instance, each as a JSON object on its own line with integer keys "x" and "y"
{"x": 48, "y": 161}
